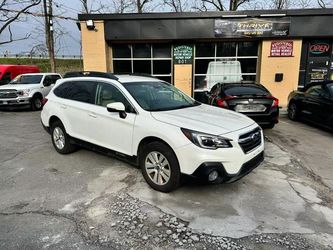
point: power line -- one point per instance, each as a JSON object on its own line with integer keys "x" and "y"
{"x": 41, "y": 15}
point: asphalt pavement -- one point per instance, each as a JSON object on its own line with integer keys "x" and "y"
{"x": 87, "y": 200}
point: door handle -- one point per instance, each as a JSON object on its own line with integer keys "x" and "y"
{"x": 63, "y": 106}
{"x": 92, "y": 115}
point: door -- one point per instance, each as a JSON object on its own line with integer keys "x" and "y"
{"x": 77, "y": 107}
{"x": 312, "y": 104}
{"x": 111, "y": 130}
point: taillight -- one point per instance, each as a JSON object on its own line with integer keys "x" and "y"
{"x": 275, "y": 102}
{"x": 44, "y": 101}
{"x": 222, "y": 102}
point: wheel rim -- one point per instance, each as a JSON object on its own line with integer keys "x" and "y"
{"x": 158, "y": 168}
{"x": 38, "y": 103}
{"x": 292, "y": 110}
{"x": 59, "y": 138}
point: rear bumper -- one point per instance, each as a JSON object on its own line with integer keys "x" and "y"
{"x": 206, "y": 168}
{"x": 265, "y": 118}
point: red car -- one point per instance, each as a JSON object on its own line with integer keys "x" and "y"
{"x": 9, "y": 72}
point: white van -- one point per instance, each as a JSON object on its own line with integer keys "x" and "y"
{"x": 222, "y": 71}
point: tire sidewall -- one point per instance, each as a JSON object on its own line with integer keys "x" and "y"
{"x": 33, "y": 103}
{"x": 175, "y": 174}
{"x": 68, "y": 148}
{"x": 294, "y": 115}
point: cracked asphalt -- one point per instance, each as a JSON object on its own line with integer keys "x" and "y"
{"x": 90, "y": 201}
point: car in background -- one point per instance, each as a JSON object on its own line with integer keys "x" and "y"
{"x": 27, "y": 89}
{"x": 153, "y": 125}
{"x": 88, "y": 74}
{"x": 251, "y": 99}
{"x": 9, "y": 72}
{"x": 314, "y": 103}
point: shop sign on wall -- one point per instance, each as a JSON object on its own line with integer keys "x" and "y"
{"x": 183, "y": 54}
{"x": 251, "y": 27}
{"x": 319, "y": 48}
{"x": 281, "y": 48}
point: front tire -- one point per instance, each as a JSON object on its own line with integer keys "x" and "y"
{"x": 160, "y": 167}
{"x": 293, "y": 111}
{"x": 60, "y": 139}
{"x": 36, "y": 103}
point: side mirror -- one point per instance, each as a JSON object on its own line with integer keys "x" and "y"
{"x": 47, "y": 84}
{"x": 117, "y": 107}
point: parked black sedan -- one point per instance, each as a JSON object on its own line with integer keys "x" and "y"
{"x": 313, "y": 103}
{"x": 251, "y": 99}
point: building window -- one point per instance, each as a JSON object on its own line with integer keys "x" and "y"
{"x": 152, "y": 59}
{"x": 224, "y": 62}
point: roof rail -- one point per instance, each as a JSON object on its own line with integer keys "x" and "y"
{"x": 90, "y": 74}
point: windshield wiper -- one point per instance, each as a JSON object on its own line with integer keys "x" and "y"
{"x": 177, "y": 107}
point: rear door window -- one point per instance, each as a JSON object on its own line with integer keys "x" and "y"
{"x": 81, "y": 91}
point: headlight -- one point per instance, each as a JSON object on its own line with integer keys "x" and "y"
{"x": 206, "y": 140}
{"x": 24, "y": 92}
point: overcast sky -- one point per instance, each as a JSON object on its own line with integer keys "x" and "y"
{"x": 69, "y": 44}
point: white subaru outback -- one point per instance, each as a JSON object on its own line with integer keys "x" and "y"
{"x": 153, "y": 125}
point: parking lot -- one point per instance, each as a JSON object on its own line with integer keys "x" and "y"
{"x": 87, "y": 200}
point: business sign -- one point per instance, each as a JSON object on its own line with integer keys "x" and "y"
{"x": 251, "y": 27}
{"x": 183, "y": 54}
{"x": 281, "y": 48}
{"x": 319, "y": 48}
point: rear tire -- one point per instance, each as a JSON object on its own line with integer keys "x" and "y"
{"x": 292, "y": 111}
{"x": 60, "y": 139}
{"x": 36, "y": 103}
{"x": 160, "y": 167}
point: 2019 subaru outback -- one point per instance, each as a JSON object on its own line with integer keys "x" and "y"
{"x": 154, "y": 125}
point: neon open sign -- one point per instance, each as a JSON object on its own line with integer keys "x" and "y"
{"x": 319, "y": 48}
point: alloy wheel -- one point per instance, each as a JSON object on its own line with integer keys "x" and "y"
{"x": 158, "y": 168}
{"x": 59, "y": 138}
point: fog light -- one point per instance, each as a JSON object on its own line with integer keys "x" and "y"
{"x": 213, "y": 176}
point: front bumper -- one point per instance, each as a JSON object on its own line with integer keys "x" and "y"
{"x": 191, "y": 157}
{"x": 206, "y": 168}
{"x": 15, "y": 101}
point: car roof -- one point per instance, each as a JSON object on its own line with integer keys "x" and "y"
{"x": 42, "y": 74}
{"x": 136, "y": 78}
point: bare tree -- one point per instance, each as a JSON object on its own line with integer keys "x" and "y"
{"x": 8, "y": 16}
{"x": 140, "y": 4}
{"x": 234, "y": 4}
{"x": 177, "y": 5}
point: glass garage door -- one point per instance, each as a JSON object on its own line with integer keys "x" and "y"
{"x": 152, "y": 59}
{"x": 224, "y": 62}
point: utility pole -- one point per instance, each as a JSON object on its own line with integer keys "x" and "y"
{"x": 49, "y": 33}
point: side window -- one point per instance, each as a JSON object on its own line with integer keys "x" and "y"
{"x": 6, "y": 78}
{"x": 216, "y": 90}
{"x": 315, "y": 91}
{"x": 47, "y": 81}
{"x": 108, "y": 93}
{"x": 77, "y": 91}
{"x": 55, "y": 78}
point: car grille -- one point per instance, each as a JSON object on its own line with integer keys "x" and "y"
{"x": 250, "y": 140}
{"x": 8, "y": 93}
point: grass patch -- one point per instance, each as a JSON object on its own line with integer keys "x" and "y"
{"x": 62, "y": 65}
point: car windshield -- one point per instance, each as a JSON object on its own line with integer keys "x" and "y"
{"x": 159, "y": 96}
{"x": 27, "y": 79}
{"x": 245, "y": 90}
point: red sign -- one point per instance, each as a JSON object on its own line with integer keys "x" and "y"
{"x": 282, "y": 48}
{"x": 319, "y": 48}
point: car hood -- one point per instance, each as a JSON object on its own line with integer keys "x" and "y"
{"x": 19, "y": 86}
{"x": 205, "y": 118}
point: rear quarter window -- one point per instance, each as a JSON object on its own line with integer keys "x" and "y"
{"x": 245, "y": 90}
{"x": 77, "y": 91}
